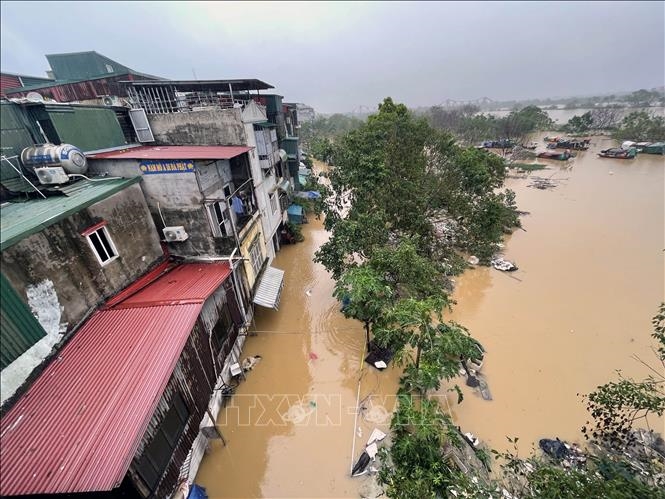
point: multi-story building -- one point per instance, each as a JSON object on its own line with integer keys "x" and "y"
{"x": 228, "y": 112}
{"x": 113, "y": 351}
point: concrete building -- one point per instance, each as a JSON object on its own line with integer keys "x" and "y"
{"x": 63, "y": 256}
{"x": 204, "y": 195}
{"x": 228, "y": 112}
{"x": 306, "y": 114}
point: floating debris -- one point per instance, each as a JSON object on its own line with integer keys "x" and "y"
{"x": 369, "y": 454}
{"x": 543, "y": 183}
{"x": 379, "y": 357}
{"x": 504, "y": 265}
{"x": 250, "y": 362}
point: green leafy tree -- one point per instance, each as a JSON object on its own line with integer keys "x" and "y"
{"x": 365, "y": 295}
{"x": 580, "y": 124}
{"x": 396, "y": 177}
{"x": 641, "y": 126}
{"x": 415, "y": 465}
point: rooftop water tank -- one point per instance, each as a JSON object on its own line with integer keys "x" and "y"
{"x": 65, "y": 156}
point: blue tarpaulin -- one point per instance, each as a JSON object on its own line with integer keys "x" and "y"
{"x": 197, "y": 492}
{"x": 295, "y": 213}
{"x": 308, "y": 194}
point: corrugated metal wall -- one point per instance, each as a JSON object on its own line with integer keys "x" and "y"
{"x": 88, "y": 129}
{"x": 19, "y": 329}
{"x": 15, "y": 131}
{"x": 8, "y": 81}
{"x": 194, "y": 378}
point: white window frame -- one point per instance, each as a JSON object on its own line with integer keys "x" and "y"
{"x": 107, "y": 236}
{"x": 255, "y": 256}
{"x": 273, "y": 202}
{"x": 217, "y": 225}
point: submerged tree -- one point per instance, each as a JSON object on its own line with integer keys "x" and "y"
{"x": 641, "y": 126}
{"x": 398, "y": 178}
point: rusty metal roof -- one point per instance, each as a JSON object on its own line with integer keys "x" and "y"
{"x": 78, "y": 426}
{"x": 174, "y": 152}
{"x": 238, "y": 85}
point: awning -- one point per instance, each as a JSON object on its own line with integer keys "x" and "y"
{"x": 284, "y": 185}
{"x": 269, "y": 289}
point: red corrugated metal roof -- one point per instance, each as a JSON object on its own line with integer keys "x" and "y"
{"x": 8, "y": 81}
{"x": 174, "y": 152}
{"x": 78, "y": 426}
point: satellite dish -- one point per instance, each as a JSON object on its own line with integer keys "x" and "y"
{"x": 35, "y": 97}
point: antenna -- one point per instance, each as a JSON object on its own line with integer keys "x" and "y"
{"x": 194, "y": 73}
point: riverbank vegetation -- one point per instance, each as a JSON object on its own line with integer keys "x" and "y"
{"x": 404, "y": 203}
{"x": 469, "y": 126}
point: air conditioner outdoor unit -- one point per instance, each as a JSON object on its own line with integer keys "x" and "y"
{"x": 174, "y": 234}
{"x": 51, "y": 175}
{"x": 111, "y": 100}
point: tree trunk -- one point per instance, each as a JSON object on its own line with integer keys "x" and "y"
{"x": 367, "y": 335}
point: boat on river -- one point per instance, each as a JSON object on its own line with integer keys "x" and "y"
{"x": 576, "y": 145}
{"x": 655, "y": 148}
{"x": 498, "y": 144}
{"x": 559, "y": 156}
{"x": 618, "y": 153}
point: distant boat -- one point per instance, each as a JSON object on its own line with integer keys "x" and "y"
{"x": 498, "y": 144}
{"x": 559, "y": 156}
{"x": 618, "y": 153}
{"x": 655, "y": 148}
{"x": 576, "y": 145}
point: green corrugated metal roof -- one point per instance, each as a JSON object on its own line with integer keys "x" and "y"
{"x": 19, "y": 329}
{"x": 20, "y": 220}
{"x": 83, "y": 65}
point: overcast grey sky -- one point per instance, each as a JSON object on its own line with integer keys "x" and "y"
{"x": 339, "y": 56}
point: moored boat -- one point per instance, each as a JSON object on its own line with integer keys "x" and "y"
{"x": 618, "y": 153}
{"x": 559, "y": 156}
{"x": 655, "y": 148}
{"x": 576, "y": 145}
{"x": 498, "y": 144}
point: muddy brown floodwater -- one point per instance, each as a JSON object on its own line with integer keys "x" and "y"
{"x": 590, "y": 279}
{"x": 291, "y": 425}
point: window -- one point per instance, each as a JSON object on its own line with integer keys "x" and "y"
{"x": 102, "y": 246}
{"x": 223, "y": 327}
{"x": 273, "y": 202}
{"x": 255, "y": 257}
{"x": 222, "y": 223}
{"x": 157, "y": 454}
{"x": 109, "y": 68}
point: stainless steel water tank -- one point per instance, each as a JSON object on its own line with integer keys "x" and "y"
{"x": 66, "y": 156}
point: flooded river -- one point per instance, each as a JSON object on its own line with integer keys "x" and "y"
{"x": 590, "y": 279}
{"x": 292, "y": 425}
